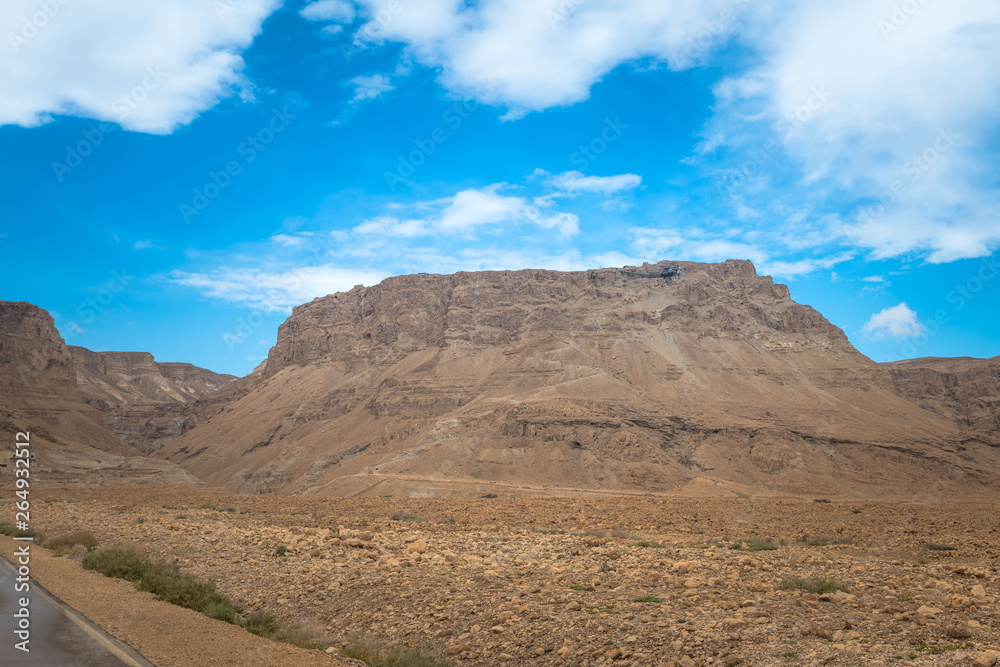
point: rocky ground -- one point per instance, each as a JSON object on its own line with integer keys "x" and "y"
{"x": 620, "y": 580}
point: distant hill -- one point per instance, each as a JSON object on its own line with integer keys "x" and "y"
{"x": 145, "y": 402}
{"x": 39, "y": 394}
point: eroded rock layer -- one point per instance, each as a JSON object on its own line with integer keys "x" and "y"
{"x": 710, "y": 382}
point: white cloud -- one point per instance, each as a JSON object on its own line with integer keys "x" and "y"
{"x": 142, "y": 245}
{"x": 904, "y": 114}
{"x": 896, "y": 322}
{"x": 574, "y": 181}
{"x": 329, "y": 10}
{"x": 371, "y": 87}
{"x": 275, "y": 291}
{"x": 149, "y": 66}
{"x": 468, "y": 210}
{"x": 537, "y": 54}
{"x": 874, "y": 279}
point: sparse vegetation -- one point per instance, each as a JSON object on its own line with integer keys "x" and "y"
{"x": 648, "y": 545}
{"x": 377, "y": 654}
{"x": 817, "y": 585}
{"x": 489, "y": 495}
{"x": 280, "y": 550}
{"x": 821, "y": 500}
{"x": 933, "y": 546}
{"x": 164, "y": 580}
{"x": 649, "y": 598}
{"x": 400, "y": 515}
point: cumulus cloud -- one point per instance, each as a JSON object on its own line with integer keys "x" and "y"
{"x": 538, "y": 54}
{"x": 881, "y": 112}
{"x": 895, "y": 322}
{"x": 275, "y": 291}
{"x": 149, "y": 66}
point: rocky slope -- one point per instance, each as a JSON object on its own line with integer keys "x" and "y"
{"x": 963, "y": 390}
{"x": 144, "y": 402}
{"x": 712, "y": 382}
{"x": 39, "y": 394}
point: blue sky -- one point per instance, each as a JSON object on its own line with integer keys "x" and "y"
{"x": 176, "y": 176}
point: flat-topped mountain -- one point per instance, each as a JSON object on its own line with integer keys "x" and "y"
{"x": 678, "y": 378}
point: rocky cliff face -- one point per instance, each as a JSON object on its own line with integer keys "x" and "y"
{"x": 963, "y": 390}
{"x": 711, "y": 381}
{"x": 39, "y": 394}
{"x": 144, "y": 402}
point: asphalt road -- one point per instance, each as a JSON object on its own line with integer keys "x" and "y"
{"x": 60, "y": 637}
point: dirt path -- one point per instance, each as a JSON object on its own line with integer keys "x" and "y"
{"x": 165, "y": 634}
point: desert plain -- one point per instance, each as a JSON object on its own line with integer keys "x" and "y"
{"x": 598, "y": 579}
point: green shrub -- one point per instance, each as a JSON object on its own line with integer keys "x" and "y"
{"x": 489, "y": 495}
{"x": 261, "y": 623}
{"x": 128, "y": 565}
{"x": 280, "y": 550}
{"x": 821, "y": 500}
{"x": 649, "y": 598}
{"x": 164, "y": 580}
{"x": 69, "y": 540}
